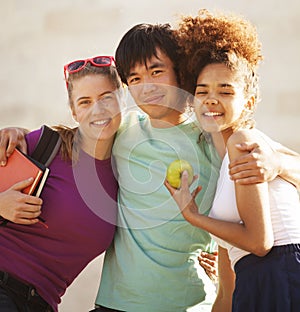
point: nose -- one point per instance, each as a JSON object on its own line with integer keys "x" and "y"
{"x": 211, "y": 101}
{"x": 98, "y": 107}
{"x": 148, "y": 87}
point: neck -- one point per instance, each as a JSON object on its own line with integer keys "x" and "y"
{"x": 100, "y": 150}
{"x": 169, "y": 121}
{"x": 220, "y": 141}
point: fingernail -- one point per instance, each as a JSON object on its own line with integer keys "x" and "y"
{"x": 3, "y": 163}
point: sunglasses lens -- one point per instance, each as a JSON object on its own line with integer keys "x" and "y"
{"x": 102, "y": 60}
{"x": 75, "y": 66}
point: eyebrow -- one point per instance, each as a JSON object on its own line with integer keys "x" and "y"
{"x": 222, "y": 85}
{"x": 87, "y": 97}
{"x": 82, "y": 98}
{"x": 157, "y": 64}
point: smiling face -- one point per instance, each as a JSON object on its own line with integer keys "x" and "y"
{"x": 220, "y": 99}
{"x": 95, "y": 107}
{"x": 155, "y": 90}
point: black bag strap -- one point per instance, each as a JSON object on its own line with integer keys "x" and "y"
{"x": 47, "y": 146}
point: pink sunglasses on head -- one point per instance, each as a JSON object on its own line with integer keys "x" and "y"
{"x": 98, "y": 61}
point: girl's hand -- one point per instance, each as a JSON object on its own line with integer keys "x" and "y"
{"x": 183, "y": 197}
{"x": 18, "y": 207}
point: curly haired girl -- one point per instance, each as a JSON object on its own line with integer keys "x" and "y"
{"x": 256, "y": 226}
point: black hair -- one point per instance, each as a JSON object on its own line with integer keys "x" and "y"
{"x": 141, "y": 42}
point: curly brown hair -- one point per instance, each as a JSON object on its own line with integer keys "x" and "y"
{"x": 211, "y": 37}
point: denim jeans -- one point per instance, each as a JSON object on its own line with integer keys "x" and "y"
{"x": 10, "y": 302}
{"x": 6, "y": 303}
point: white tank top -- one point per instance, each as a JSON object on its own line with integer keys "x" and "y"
{"x": 284, "y": 204}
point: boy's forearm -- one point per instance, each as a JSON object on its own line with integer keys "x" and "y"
{"x": 290, "y": 167}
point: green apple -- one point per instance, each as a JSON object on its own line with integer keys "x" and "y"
{"x": 175, "y": 170}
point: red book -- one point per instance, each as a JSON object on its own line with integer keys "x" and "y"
{"x": 20, "y": 167}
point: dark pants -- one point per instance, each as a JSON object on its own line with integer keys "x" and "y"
{"x": 15, "y": 296}
{"x": 6, "y": 303}
{"x": 270, "y": 283}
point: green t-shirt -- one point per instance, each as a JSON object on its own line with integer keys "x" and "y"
{"x": 152, "y": 264}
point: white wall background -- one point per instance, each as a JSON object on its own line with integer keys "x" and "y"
{"x": 39, "y": 37}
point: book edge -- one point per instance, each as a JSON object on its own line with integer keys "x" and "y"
{"x": 42, "y": 182}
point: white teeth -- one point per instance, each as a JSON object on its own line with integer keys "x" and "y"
{"x": 100, "y": 122}
{"x": 212, "y": 114}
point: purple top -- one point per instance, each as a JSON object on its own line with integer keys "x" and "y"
{"x": 79, "y": 206}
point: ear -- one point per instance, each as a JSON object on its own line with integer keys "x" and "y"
{"x": 250, "y": 105}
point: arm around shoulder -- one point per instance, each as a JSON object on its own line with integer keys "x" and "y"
{"x": 264, "y": 161}
{"x": 289, "y": 162}
{"x": 10, "y": 138}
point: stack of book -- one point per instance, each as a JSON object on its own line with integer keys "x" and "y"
{"x": 21, "y": 167}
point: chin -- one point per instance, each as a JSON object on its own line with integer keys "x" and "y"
{"x": 104, "y": 134}
{"x": 211, "y": 129}
{"x": 154, "y": 109}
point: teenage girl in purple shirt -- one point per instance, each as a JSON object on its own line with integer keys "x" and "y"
{"x": 78, "y": 202}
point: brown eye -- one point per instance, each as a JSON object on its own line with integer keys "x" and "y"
{"x": 156, "y": 72}
{"x": 133, "y": 80}
{"x": 85, "y": 102}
